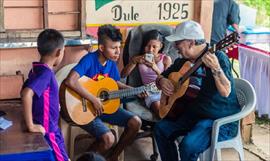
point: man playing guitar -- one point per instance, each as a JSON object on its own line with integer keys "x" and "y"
{"x": 216, "y": 98}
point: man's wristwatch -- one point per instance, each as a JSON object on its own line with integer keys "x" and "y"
{"x": 216, "y": 72}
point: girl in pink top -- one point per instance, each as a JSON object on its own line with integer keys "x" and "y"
{"x": 150, "y": 69}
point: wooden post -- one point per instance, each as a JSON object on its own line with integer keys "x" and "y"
{"x": 2, "y": 24}
{"x": 246, "y": 127}
{"x": 197, "y": 10}
{"x": 83, "y": 18}
{"x": 45, "y": 14}
{"x": 203, "y": 14}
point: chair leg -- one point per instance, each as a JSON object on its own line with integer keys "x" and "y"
{"x": 154, "y": 156}
{"x": 218, "y": 155}
{"x": 205, "y": 156}
{"x": 201, "y": 157}
{"x": 74, "y": 132}
{"x": 72, "y": 138}
{"x": 240, "y": 151}
{"x": 241, "y": 155}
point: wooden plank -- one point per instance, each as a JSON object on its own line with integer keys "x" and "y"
{"x": 23, "y": 3}
{"x": 69, "y": 22}
{"x": 16, "y": 140}
{"x": 15, "y": 19}
{"x": 249, "y": 119}
{"x": 34, "y": 34}
{"x": 206, "y": 17}
{"x": 64, "y": 13}
{"x": 2, "y": 25}
{"x": 24, "y": 7}
{"x": 197, "y": 10}
{"x": 203, "y": 14}
{"x": 10, "y": 86}
{"x": 247, "y": 133}
{"x": 63, "y": 5}
{"x": 64, "y": 17}
{"x": 83, "y": 18}
{"x": 45, "y": 14}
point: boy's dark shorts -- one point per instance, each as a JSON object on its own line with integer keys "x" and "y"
{"x": 97, "y": 128}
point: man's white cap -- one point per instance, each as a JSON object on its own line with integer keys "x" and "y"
{"x": 189, "y": 30}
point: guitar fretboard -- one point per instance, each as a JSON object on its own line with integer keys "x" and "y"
{"x": 126, "y": 92}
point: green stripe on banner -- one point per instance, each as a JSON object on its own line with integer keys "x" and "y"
{"x": 100, "y": 3}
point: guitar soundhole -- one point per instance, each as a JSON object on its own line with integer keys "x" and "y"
{"x": 104, "y": 96}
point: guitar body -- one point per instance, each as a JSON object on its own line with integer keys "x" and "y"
{"x": 167, "y": 103}
{"x": 72, "y": 104}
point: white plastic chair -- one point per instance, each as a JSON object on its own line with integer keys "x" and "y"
{"x": 247, "y": 100}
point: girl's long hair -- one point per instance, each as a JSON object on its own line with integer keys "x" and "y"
{"x": 151, "y": 35}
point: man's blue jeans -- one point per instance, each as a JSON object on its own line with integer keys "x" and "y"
{"x": 197, "y": 137}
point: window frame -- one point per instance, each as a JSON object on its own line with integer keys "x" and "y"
{"x": 2, "y": 29}
{"x": 14, "y": 34}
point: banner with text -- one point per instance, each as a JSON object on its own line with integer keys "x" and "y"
{"x": 136, "y": 12}
{"x": 128, "y": 13}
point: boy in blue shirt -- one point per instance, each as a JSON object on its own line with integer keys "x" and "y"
{"x": 97, "y": 65}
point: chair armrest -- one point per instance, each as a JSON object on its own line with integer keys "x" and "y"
{"x": 222, "y": 121}
{"x": 228, "y": 119}
{"x": 218, "y": 123}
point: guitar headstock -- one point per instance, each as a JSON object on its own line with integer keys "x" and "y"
{"x": 229, "y": 41}
{"x": 152, "y": 88}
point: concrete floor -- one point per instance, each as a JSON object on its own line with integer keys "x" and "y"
{"x": 141, "y": 149}
{"x": 261, "y": 138}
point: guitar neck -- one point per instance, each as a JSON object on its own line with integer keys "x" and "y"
{"x": 126, "y": 92}
{"x": 198, "y": 63}
{"x": 189, "y": 72}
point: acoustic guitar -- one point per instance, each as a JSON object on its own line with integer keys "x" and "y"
{"x": 80, "y": 111}
{"x": 180, "y": 79}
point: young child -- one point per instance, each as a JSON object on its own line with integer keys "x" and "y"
{"x": 150, "y": 69}
{"x": 40, "y": 92}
